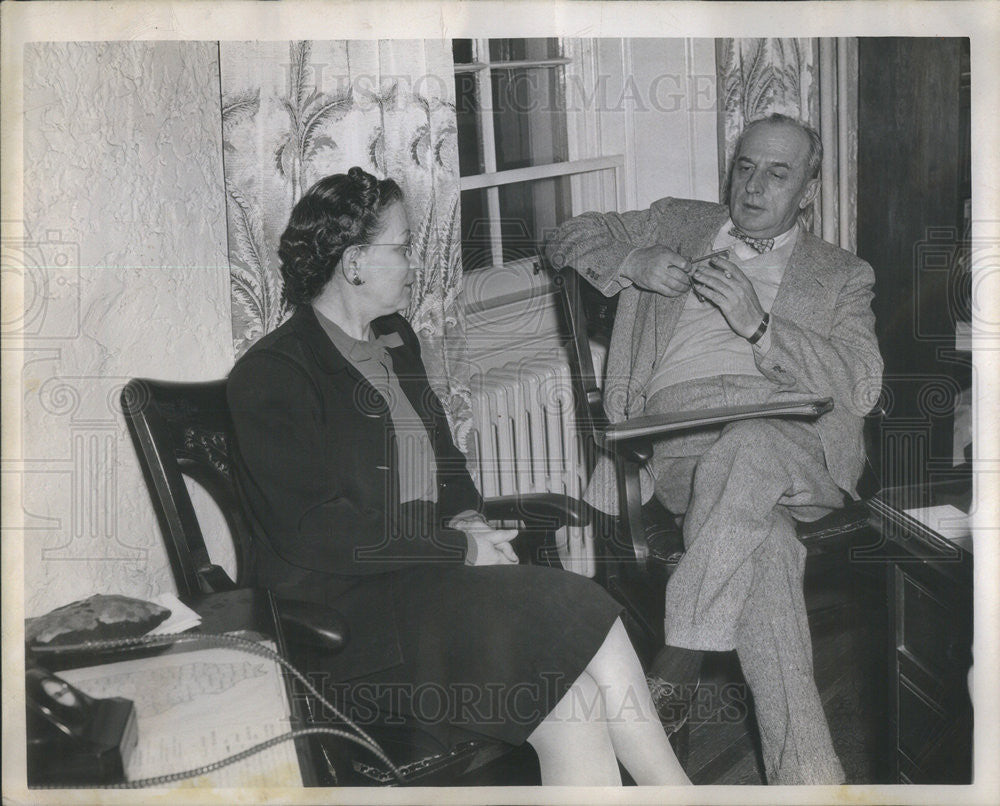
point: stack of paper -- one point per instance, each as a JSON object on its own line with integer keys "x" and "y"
{"x": 946, "y": 520}
{"x": 181, "y": 617}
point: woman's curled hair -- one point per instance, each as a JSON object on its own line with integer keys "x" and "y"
{"x": 338, "y": 211}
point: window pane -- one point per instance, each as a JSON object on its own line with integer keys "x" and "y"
{"x": 467, "y": 117}
{"x": 529, "y": 119}
{"x": 476, "y": 252}
{"x": 508, "y": 50}
{"x": 529, "y": 211}
{"x": 461, "y": 51}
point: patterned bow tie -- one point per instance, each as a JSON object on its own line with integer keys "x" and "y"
{"x": 757, "y": 244}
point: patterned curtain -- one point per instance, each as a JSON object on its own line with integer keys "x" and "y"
{"x": 294, "y": 112}
{"x": 814, "y": 80}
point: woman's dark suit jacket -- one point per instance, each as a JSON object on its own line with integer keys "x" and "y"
{"x": 315, "y": 462}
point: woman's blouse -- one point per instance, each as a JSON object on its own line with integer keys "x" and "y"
{"x": 416, "y": 464}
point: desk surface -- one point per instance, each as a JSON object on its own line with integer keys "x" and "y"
{"x": 185, "y": 709}
{"x": 955, "y": 490}
{"x": 926, "y": 523}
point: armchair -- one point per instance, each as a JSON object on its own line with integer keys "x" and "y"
{"x": 643, "y": 544}
{"x": 184, "y": 430}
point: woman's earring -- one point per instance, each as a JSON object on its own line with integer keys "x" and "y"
{"x": 351, "y": 262}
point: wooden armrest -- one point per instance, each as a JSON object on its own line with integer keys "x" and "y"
{"x": 214, "y": 579}
{"x": 313, "y": 625}
{"x": 641, "y": 428}
{"x": 537, "y": 510}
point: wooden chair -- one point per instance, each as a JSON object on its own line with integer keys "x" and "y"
{"x": 184, "y": 430}
{"x": 643, "y": 544}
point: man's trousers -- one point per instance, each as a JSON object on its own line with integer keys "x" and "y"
{"x": 739, "y": 585}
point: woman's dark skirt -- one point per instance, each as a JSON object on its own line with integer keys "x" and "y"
{"x": 488, "y": 651}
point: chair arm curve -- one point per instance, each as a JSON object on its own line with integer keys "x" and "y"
{"x": 313, "y": 625}
{"x": 213, "y": 579}
{"x": 538, "y": 510}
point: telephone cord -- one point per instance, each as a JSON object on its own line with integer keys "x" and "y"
{"x": 253, "y": 647}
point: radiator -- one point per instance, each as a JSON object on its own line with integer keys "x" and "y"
{"x": 527, "y": 441}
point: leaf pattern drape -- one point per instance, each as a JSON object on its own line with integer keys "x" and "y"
{"x": 810, "y": 79}
{"x": 294, "y": 112}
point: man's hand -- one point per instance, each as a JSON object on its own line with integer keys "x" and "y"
{"x": 723, "y": 284}
{"x": 656, "y": 268}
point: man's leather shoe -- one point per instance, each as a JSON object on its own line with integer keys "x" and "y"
{"x": 672, "y": 700}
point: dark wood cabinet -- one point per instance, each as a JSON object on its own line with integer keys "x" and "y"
{"x": 929, "y": 587}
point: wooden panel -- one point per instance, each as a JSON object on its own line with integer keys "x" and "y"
{"x": 908, "y": 158}
{"x": 931, "y": 713}
{"x": 934, "y": 746}
{"x": 925, "y": 625}
{"x": 921, "y": 723}
{"x": 910, "y": 193}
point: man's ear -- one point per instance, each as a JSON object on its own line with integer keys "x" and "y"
{"x": 809, "y": 194}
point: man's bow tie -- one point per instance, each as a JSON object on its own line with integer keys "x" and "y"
{"x": 757, "y": 244}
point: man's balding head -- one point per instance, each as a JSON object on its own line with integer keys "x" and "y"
{"x": 774, "y": 174}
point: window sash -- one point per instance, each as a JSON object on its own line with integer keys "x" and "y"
{"x": 472, "y": 67}
{"x": 615, "y": 162}
{"x": 490, "y": 179}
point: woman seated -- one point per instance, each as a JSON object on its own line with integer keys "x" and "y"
{"x": 363, "y": 503}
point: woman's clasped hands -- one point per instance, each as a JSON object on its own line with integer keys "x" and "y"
{"x": 487, "y": 546}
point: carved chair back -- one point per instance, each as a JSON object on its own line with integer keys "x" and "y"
{"x": 178, "y": 430}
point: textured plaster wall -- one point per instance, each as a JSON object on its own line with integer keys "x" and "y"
{"x": 125, "y": 244}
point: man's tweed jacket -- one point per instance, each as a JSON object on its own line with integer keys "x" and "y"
{"x": 822, "y": 327}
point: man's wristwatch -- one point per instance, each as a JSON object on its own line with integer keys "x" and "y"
{"x": 761, "y": 329}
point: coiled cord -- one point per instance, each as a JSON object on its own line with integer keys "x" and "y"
{"x": 359, "y": 736}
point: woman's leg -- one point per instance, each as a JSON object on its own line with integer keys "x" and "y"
{"x": 572, "y": 742}
{"x": 637, "y": 736}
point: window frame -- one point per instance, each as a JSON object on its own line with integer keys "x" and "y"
{"x": 490, "y": 179}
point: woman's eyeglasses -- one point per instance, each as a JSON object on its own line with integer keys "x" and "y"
{"x": 407, "y": 249}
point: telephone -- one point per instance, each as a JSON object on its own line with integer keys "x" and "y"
{"x": 74, "y": 739}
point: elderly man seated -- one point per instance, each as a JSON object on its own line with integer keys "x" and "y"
{"x": 783, "y": 313}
